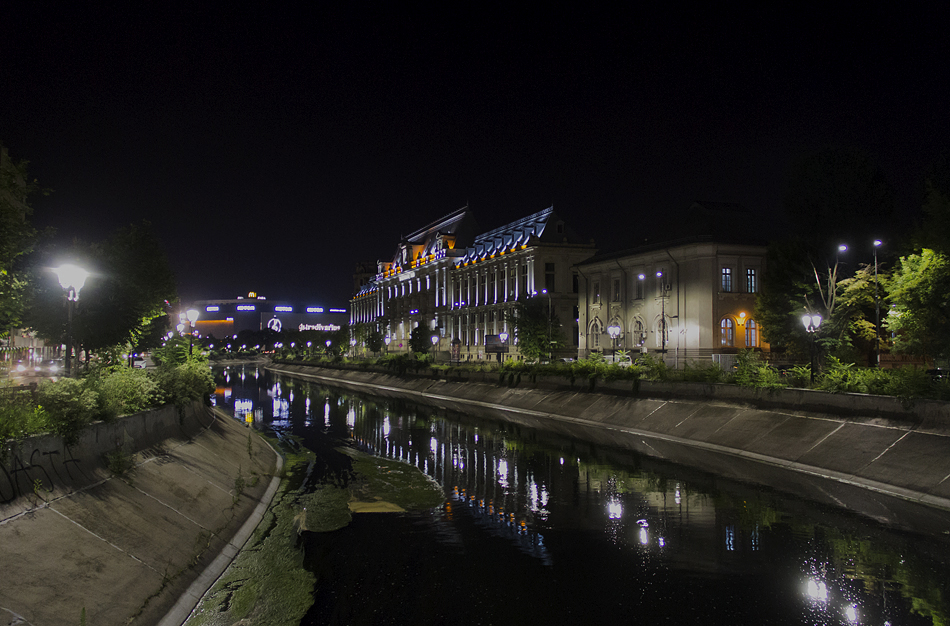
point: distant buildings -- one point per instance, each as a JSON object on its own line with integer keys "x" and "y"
{"x": 228, "y": 317}
{"x": 689, "y": 298}
{"x": 460, "y": 284}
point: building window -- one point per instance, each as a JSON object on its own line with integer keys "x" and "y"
{"x": 574, "y": 284}
{"x": 524, "y": 278}
{"x": 616, "y": 290}
{"x": 639, "y": 337}
{"x": 728, "y": 328}
{"x": 595, "y": 292}
{"x": 750, "y": 285}
{"x": 512, "y": 283}
{"x": 727, "y": 279}
{"x": 549, "y": 277}
{"x": 751, "y": 334}
{"x": 640, "y": 287}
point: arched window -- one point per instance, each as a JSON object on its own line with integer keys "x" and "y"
{"x": 751, "y": 334}
{"x": 639, "y": 337}
{"x": 728, "y": 328}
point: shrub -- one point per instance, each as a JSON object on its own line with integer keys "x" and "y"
{"x": 183, "y": 384}
{"x": 126, "y": 391}
{"x": 19, "y": 418}
{"x": 69, "y": 405}
{"x": 752, "y": 372}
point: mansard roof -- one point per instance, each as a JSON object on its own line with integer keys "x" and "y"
{"x": 458, "y": 225}
{"x": 515, "y": 235}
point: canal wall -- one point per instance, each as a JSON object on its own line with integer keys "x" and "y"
{"x": 873, "y": 455}
{"x": 137, "y": 548}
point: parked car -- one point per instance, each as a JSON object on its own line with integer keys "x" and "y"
{"x": 139, "y": 363}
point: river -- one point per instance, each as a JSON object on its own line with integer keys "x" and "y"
{"x": 537, "y": 528}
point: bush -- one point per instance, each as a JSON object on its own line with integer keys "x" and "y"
{"x": 126, "y": 391}
{"x": 751, "y": 372}
{"x": 19, "y": 418}
{"x": 183, "y": 384}
{"x": 69, "y": 406}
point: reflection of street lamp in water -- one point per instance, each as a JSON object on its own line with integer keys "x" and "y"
{"x": 71, "y": 278}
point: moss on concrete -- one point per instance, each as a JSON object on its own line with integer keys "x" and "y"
{"x": 267, "y": 582}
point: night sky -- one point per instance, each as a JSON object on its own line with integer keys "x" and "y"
{"x": 273, "y": 149}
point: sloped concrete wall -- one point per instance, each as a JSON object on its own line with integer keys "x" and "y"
{"x": 45, "y": 464}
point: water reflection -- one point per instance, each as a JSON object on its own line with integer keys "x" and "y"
{"x": 580, "y": 531}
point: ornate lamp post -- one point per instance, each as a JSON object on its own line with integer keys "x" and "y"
{"x": 192, "y": 316}
{"x": 435, "y": 342}
{"x": 614, "y": 331}
{"x": 71, "y": 278}
{"x": 811, "y": 324}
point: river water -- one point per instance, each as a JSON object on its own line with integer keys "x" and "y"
{"x": 540, "y": 529}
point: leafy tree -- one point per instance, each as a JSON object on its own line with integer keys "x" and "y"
{"x": 536, "y": 329}
{"x": 919, "y": 293}
{"x": 17, "y": 237}
{"x": 420, "y": 339}
{"x": 129, "y": 288}
{"x": 374, "y": 341}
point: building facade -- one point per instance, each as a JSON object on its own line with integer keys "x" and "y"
{"x": 463, "y": 285}
{"x": 227, "y": 317}
{"x": 688, "y": 300}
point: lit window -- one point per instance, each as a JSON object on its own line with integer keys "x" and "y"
{"x": 751, "y": 334}
{"x": 750, "y": 285}
{"x": 728, "y": 328}
{"x": 727, "y": 279}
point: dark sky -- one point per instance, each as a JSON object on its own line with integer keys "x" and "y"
{"x": 274, "y": 148}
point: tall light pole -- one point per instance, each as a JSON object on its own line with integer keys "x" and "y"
{"x": 811, "y": 324}
{"x": 662, "y": 315}
{"x": 71, "y": 279}
{"x": 614, "y": 331}
{"x": 877, "y": 310}
{"x": 192, "y": 315}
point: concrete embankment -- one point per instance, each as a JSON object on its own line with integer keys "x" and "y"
{"x": 140, "y": 548}
{"x": 872, "y": 455}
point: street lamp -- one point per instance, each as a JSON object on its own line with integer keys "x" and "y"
{"x": 435, "y": 342}
{"x": 877, "y": 309}
{"x": 662, "y": 315}
{"x": 71, "y": 278}
{"x": 192, "y": 315}
{"x": 614, "y": 331}
{"x": 328, "y": 346}
{"x": 811, "y": 324}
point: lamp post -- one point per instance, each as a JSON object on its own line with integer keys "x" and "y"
{"x": 192, "y": 315}
{"x": 71, "y": 278}
{"x": 662, "y": 315}
{"x": 811, "y": 324}
{"x": 328, "y": 346}
{"x": 614, "y": 331}
{"x": 435, "y": 342}
{"x": 877, "y": 310}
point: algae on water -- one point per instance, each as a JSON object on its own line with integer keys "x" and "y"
{"x": 267, "y": 583}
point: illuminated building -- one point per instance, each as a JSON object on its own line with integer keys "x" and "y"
{"x": 689, "y": 299}
{"x": 223, "y": 318}
{"x": 461, "y": 283}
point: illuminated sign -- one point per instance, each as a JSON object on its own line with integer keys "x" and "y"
{"x": 314, "y": 309}
{"x": 229, "y": 319}
{"x": 212, "y": 308}
{"x": 330, "y": 327}
{"x": 274, "y": 324}
{"x": 337, "y": 310}
{"x": 246, "y": 307}
{"x": 284, "y": 309}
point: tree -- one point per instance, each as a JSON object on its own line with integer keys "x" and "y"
{"x": 535, "y": 329}
{"x": 919, "y": 293}
{"x": 17, "y": 237}
{"x": 420, "y": 339}
{"x": 129, "y": 288}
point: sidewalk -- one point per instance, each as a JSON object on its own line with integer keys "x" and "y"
{"x": 128, "y": 550}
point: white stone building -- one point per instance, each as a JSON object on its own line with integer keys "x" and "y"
{"x": 461, "y": 283}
